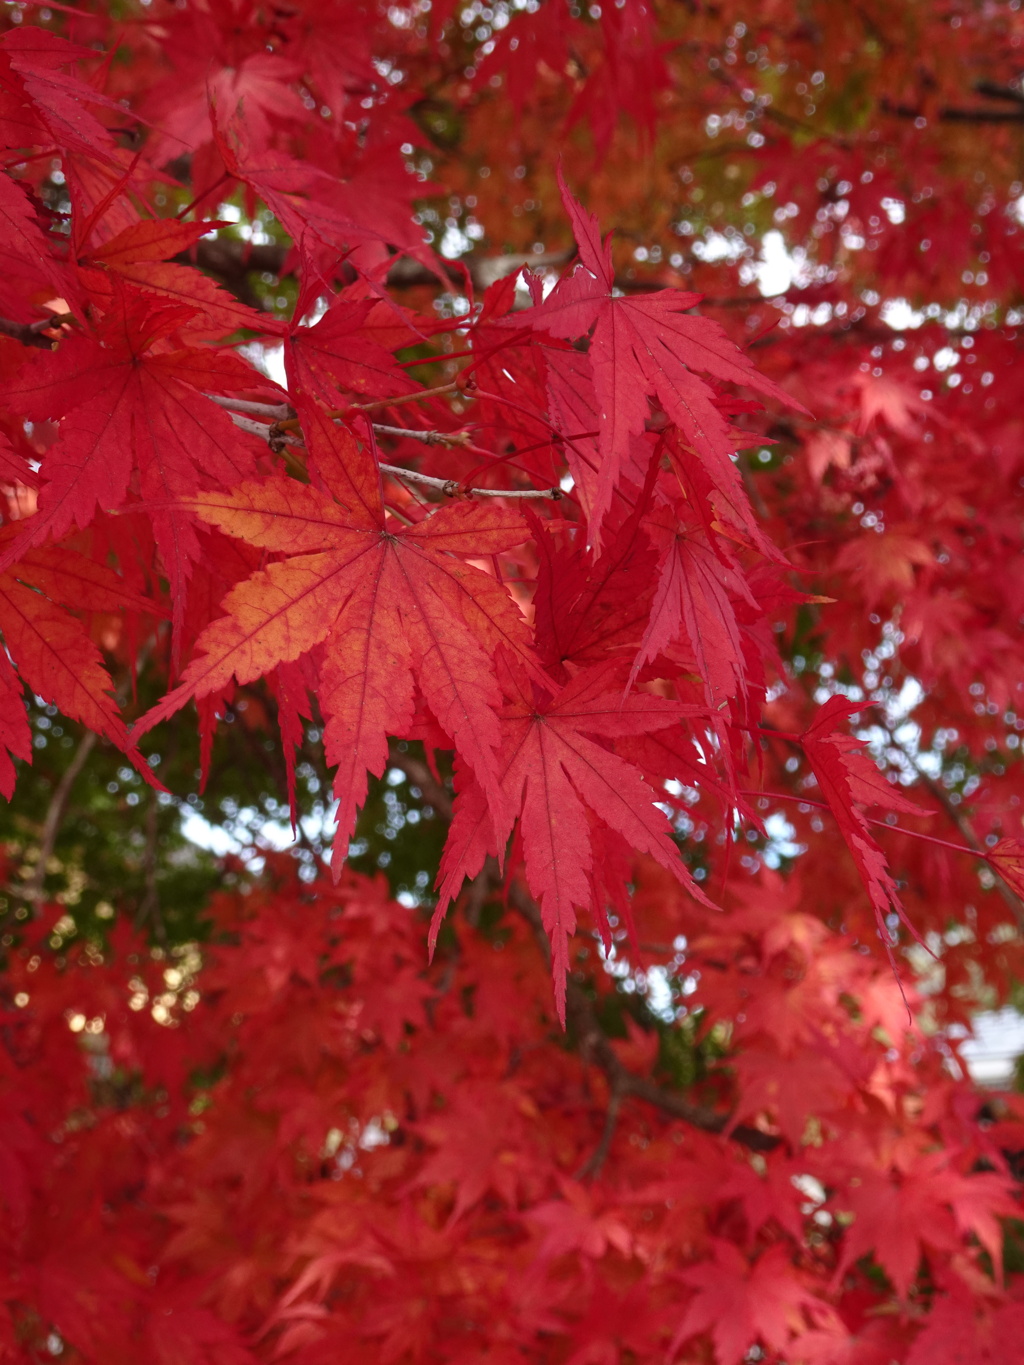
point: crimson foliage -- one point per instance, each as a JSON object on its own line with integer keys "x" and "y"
{"x": 674, "y": 575}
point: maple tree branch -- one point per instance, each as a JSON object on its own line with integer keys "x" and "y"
{"x": 269, "y": 433}
{"x": 282, "y": 416}
{"x": 420, "y": 776}
{"x": 595, "y": 1046}
{"x": 430, "y": 438}
{"x": 232, "y": 261}
{"x": 451, "y": 488}
{"x": 435, "y": 392}
{"x": 149, "y": 909}
{"x": 994, "y": 91}
{"x": 954, "y": 114}
{"x": 33, "y": 890}
{"x": 277, "y": 412}
{"x": 29, "y": 333}
{"x": 292, "y": 423}
{"x": 592, "y": 1166}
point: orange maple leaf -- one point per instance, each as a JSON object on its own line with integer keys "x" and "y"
{"x": 390, "y": 604}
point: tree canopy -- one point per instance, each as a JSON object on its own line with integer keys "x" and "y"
{"x": 511, "y": 599}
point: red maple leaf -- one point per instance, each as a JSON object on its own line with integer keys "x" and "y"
{"x": 578, "y": 1224}
{"x": 695, "y": 578}
{"x": 965, "y": 1327}
{"x": 391, "y": 605}
{"x": 321, "y": 212}
{"x": 22, "y": 244}
{"x": 53, "y": 653}
{"x": 479, "y": 1139}
{"x": 884, "y": 564}
{"x": 551, "y": 774}
{"x": 1007, "y": 858}
{"x": 336, "y": 353}
{"x": 15, "y": 735}
{"x": 848, "y": 780}
{"x": 140, "y": 254}
{"x": 14, "y": 468}
{"x": 740, "y": 1304}
{"x": 587, "y": 608}
{"x": 43, "y": 105}
{"x": 136, "y": 401}
{"x": 641, "y": 347}
{"x": 898, "y": 1216}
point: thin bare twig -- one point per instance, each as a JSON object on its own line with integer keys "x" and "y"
{"x": 430, "y": 438}
{"x": 150, "y": 906}
{"x": 420, "y": 776}
{"x": 965, "y": 828}
{"x": 592, "y": 1166}
{"x": 954, "y": 114}
{"x": 292, "y": 423}
{"x": 277, "y": 412}
{"x": 29, "y": 333}
{"x": 33, "y": 890}
{"x": 451, "y": 488}
{"x": 416, "y": 397}
{"x": 994, "y": 91}
{"x": 271, "y": 434}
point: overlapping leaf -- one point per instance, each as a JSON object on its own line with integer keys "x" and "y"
{"x": 322, "y": 213}
{"x": 336, "y": 354}
{"x": 695, "y": 579}
{"x": 15, "y": 735}
{"x": 849, "y": 780}
{"x": 23, "y": 248}
{"x": 53, "y": 653}
{"x": 136, "y": 403}
{"x": 43, "y": 105}
{"x": 741, "y": 1303}
{"x": 552, "y": 774}
{"x": 140, "y": 254}
{"x": 391, "y": 606}
{"x": 929, "y": 1206}
{"x": 643, "y": 347}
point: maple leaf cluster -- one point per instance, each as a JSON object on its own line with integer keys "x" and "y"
{"x": 313, "y": 1146}
{"x": 618, "y": 539}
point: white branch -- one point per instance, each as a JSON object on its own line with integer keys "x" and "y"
{"x": 430, "y": 438}
{"x": 451, "y": 488}
{"x": 263, "y": 431}
{"x": 277, "y": 412}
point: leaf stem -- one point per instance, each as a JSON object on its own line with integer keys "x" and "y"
{"x": 882, "y": 824}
